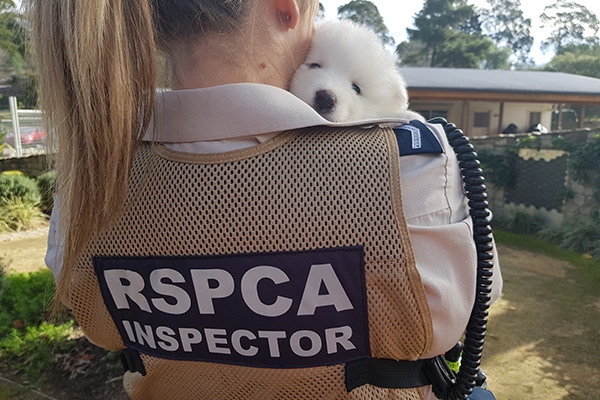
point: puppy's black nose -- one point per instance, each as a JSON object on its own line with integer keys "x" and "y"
{"x": 324, "y": 101}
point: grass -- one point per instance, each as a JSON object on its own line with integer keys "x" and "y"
{"x": 526, "y": 242}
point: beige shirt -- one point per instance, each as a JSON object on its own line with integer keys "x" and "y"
{"x": 232, "y": 117}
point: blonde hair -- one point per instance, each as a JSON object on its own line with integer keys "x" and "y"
{"x": 97, "y": 92}
{"x": 97, "y": 84}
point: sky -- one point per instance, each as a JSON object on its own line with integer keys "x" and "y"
{"x": 399, "y": 15}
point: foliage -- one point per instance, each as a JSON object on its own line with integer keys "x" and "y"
{"x": 19, "y": 186}
{"x": 16, "y": 67}
{"x": 31, "y": 345}
{"x": 2, "y": 276}
{"x": 45, "y": 183}
{"x": 17, "y": 214}
{"x": 464, "y": 50}
{"x": 19, "y": 203}
{"x": 505, "y": 24}
{"x": 25, "y": 299}
{"x": 448, "y": 33}
{"x": 520, "y": 221}
{"x": 25, "y": 82}
{"x": 582, "y": 237}
{"x": 366, "y": 13}
{"x": 561, "y": 143}
{"x": 26, "y": 341}
{"x": 499, "y": 169}
{"x": 12, "y": 37}
{"x": 572, "y": 23}
{"x": 321, "y": 12}
{"x": 529, "y": 142}
{"x": 31, "y": 351}
{"x": 584, "y": 164}
{"x": 579, "y": 60}
{"x": 497, "y": 58}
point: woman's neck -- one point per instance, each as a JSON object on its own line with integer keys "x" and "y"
{"x": 209, "y": 65}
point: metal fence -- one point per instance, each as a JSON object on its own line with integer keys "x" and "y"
{"x": 31, "y": 134}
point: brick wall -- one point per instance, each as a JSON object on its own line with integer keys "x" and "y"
{"x": 32, "y": 165}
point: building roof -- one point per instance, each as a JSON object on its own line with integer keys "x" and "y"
{"x": 500, "y": 85}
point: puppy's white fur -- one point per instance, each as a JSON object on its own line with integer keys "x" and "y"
{"x": 348, "y": 75}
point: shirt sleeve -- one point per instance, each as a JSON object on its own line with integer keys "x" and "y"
{"x": 441, "y": 234}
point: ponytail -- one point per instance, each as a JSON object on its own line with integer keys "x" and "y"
{"x": 97, "y": 85}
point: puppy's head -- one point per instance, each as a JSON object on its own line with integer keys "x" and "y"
{"x": 348, "y": 75}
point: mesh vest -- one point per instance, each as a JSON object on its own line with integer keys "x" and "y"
{"x": 302, "y": 190}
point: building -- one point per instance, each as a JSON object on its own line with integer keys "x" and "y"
{"x": 491, "y": 102}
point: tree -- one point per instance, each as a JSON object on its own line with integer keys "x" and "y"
{"x": 578, "y": 60}
{"x": 15, "y": 65}
{"x": 447, "y": 33}
{"x": 366, "y": 13}
{"x": 464, "y": 51}
{"x": 321, "y": 12}
{"x": 12, "y": 40}
{"x": 573, "y": 24}
{"x": 505, "y": 24}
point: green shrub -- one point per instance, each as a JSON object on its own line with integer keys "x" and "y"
{"x": 25, "y": 299}
{"x": 499, "y": 169}
{"x": 584, "y": 164}
{"x": 2, "y": 275}
{"x": 45, "y": 183}
{"x": 596, "y": 252}
{"x": 580, "y": 237}
{"x": 31, "y": 351}
{"x": 18, "y": 214}
{"x": 583, "y": 238}
{"x": 19, "y": 186}
{"x": 519, "y": 221}
{"x": 554, "y": 235}
{"x": 27, "y": 342}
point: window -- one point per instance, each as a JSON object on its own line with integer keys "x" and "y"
{"x": 535, "y": 118}
{"x": 481, "y": 120}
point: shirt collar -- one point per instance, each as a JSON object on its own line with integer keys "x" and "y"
{"x": 233, "y": 111}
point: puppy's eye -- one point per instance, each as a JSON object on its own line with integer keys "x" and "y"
{"x": 314, "y": 66}
{"x": 356, "y": 88}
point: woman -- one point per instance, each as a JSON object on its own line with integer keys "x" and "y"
{"x": 232, "y": 242}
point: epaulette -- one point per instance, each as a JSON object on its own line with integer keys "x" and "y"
{"x": 416, "y": 138}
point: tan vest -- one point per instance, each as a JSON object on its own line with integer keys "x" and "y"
{"x": 302, "y": 190}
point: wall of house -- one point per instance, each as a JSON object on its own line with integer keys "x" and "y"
{"x": 518, "y": 114}
{"x": 462, "y": 113}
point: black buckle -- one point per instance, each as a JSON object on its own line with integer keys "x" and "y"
{"x": 131, "y": 361}
{"x": 442, "y": 377}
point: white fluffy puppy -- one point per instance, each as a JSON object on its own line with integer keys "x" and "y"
{"x": 348, "y": 75}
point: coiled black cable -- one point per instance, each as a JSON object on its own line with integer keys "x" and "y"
{"x": 474, "y": 180}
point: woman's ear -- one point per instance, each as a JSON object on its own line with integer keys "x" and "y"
{"x": 288, "y": 13}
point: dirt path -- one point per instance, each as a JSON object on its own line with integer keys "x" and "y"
{"x": 543, "y": 338}
{"x": 23, "y": 251}
{"x": 544, "y": 333}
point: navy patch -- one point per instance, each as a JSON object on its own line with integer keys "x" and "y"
{"x": 416, "y": 138}
{"x": 275, "y": 310}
